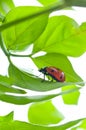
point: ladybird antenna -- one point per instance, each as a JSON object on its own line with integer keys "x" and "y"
{"x": 39, "y": 75}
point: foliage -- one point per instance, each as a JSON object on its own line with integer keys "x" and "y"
{"x": 50, "y": 115}
{"x": 58, "y": 37}
{"x": 7, "y": 123}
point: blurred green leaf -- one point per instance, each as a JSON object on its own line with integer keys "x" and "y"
{"x": 6, "y": 81}
{"x": 81, "y": 3}
{"x": 19, "y": 36}
{"x": 19, "y": 125}
{"x": 82, "y": 126}
{"x": 44, "y": 10}
{"x": 0, "y": 40}
{"x": 83, "y": 28}
{"x": 62, "y": 35}
{"x": 49, "y": 2}
{"x": 7, "y": 118}
{"x": 21, "y": 100}
{"x": 6, "y": 86}
{"x": 44, "y": 113}
{"x": 6, "y": 6}
{"x": 60, "y": 61}
{"x": 1, "y": 18}
{"x": 70, "y": 98}
{"x": 27, "y": 81}
{"x": 11, "y": 89}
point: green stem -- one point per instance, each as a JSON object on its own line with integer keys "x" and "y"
{"x": 44, "y": 11}
{"x": 4, "y": 48}
{"x": 17, "y": 55}
{"x": 7, "y": 53}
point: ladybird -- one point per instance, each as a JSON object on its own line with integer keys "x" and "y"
{"x": 53, "y": 72}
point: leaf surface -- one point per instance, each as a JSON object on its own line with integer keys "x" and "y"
{"x": 6, "y": 6}
{"x": 59, "y": 61}
{"x": 62, "y": 35}
{"x": 24, "y": 80}
{"x": 20, "y": 36}
{"x": 19, "y": 125}
{"x": 44, "y": 113}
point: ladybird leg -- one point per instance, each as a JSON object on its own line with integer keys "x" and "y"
{"x": 52, "y": 79}
{"x": 48, "y": 77}
{"x": 43, "y": 78}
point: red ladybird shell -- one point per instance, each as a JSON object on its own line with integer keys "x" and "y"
{"x": 56, "y": 73}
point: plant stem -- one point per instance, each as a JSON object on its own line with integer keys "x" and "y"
{"x": 4, "y": 48}
{"x": 7, "y": 53}
{"x": 17, "y": 55}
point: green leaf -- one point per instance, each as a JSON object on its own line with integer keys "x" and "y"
{"x": 21, "y": 100}
{"x": 31, "y": 16}
{"x": 6, "y": 6}
{"x": 70, "y": 98}
{"x": 6, "y": 81}
{"x": 82, "y": 126}
{"x": 0, "y": 40}
{"x": 7, "y": 118}
{"x": 1, "y": 18}
{"x": 44, "y": 113}
{"x": 81, "y": 3}
{"x": 62, "y": 35}
{"x": 83, "y": 29}
{"x": 60, "y": 61}
{"x": 19, "y": 36}
{"x": 19, "y": 125}
{"x": 6, "y": 86}
{"x": 11, "y": 89}
{"x": 48, "y": 2}
{"x": 27, "y": 81}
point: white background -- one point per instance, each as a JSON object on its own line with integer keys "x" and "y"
{"x": 70, "y": 111}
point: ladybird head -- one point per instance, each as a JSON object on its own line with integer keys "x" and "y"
{"x": 43, "y": 70}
